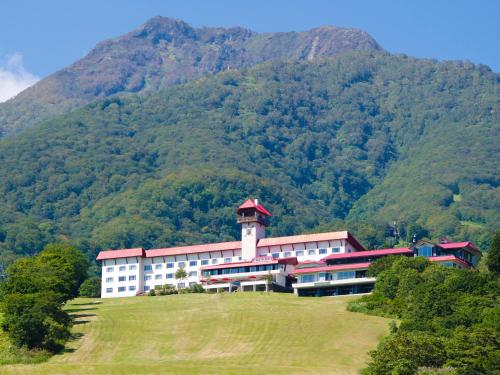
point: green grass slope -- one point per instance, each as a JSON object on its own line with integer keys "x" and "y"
{"x": 215, "y": 334}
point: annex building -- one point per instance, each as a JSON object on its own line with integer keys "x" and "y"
{"x": 332, "y": 263}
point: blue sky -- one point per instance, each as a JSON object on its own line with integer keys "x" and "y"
{"x": 39, "y": 37}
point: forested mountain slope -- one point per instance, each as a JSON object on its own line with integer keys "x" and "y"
{"x": 359, "y": 140}
{"x": 163, "y": 52}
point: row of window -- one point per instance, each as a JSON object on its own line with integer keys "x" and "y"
{"x": 168, "y": 276}
{"x": 192, "y": 263}
{"x": 121, "y": 289}
{"x": 326, "y": 276}
{"x": 246, "y": 269}
{"x": 131, "y": 267}
{"x": 300, "y": 253}
{"x": 121, "y": 278}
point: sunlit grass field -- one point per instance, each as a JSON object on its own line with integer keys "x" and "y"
{"x": 240, "y": 333}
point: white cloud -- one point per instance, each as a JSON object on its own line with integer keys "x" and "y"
{"x": 14, "y": 78}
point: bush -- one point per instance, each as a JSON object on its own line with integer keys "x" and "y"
{"x": 197, "y": 288}
{"x": 152, "y": 292}
{"x": 405, "y": 353}
{"x": 91, "y": 288}
{"x": 36, "y": 321}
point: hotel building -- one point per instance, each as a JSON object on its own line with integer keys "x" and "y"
{"x": 318, "y": 264}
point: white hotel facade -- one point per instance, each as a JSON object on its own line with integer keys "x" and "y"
{"x": 310, "y": 264}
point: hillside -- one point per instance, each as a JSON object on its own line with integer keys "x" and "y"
{"x": 356, "y": 141}
{"x": 216, "y": 334}
{"x": 164, "y": 52}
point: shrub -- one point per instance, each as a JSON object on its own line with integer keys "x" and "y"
{"x": 197, "y": 288}
{"x": 36, "y": 320}
{"x": 152, "y": 292}
{"x": 91, "y": 288}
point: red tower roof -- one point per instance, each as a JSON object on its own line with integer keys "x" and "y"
{"x": 253, "y": 203}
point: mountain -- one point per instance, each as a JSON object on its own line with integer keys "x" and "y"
{"x": 164, "y": 52}
{"x": 358, "y": 141}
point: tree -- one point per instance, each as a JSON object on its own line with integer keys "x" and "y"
{"x": 34, "y": 290}
{"x": 493, "y": 257}
{"x": 180, "y": 274}
{"x": 91, "y": 288}
{"x": 36, "y": 320}
{"x": 68, "y": 263}
{"x": 268, "y": 279}
{"x": 403, "y": 353}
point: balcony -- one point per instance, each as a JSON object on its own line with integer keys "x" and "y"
{"x": 253, "y": 218}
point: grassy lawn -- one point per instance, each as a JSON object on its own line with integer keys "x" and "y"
{"x": 244, "y": 333}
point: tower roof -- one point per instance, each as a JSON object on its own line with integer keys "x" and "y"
{"x": 254, "y": 203}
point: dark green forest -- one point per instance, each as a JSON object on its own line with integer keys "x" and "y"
{"x": 354, "y": 142}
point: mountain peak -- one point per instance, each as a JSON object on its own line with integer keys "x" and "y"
{"x": 166, "y": 51}
{"x": 161, "y": 27}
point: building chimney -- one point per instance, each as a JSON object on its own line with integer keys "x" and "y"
{"x": 256, "y": 201}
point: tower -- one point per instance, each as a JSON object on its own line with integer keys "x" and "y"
{"x": 254, "y": 219}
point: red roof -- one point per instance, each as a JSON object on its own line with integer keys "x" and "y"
{"x": 449, "y": 258}
{"x": 250, "y": 203}
{"x": 124, "y": 253}
{"x": 315, "y": 237}
{"x": 368, "y": 253}
{"x": 337, "y": 267}
{"x": 458, "y": 245}
{"x": 192, "y": 249}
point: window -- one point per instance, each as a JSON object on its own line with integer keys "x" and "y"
{"x": 146, "y": 288}
{"x": 170, "y": 275}
{"x": 157, "y": 277}
{"x": 131, "y": 288}
{"x": 170, "y": 265}
{"x": 240, "y": 258}
{"x": 182, "y": 264}
{"x": 158, "y": 266}
{"x": 122, "y": 268}
{"x": 346, "y": 275}
{"x": 287, "y": 254}
{"x": 122, "y": 278}
{"x": 311, "y": 252}
{"x": 193, "y": 263}
{"x": 131, "y": 278}
{"x": 147, "y": 277}
{"x": 132, "y": 267}
{"x": 227, "y": 260}
{"x": 181, "y": 285}
{"x": 109, "y": 279}
{"x": 275, "y": 255}
{"x": 307, "y": 278}
{"x": 110, "y": 269}
{"x": 214, "y": 261}
{"x": 191, "y": 284}
{"x": 324, "y": 276}
{"x": 122, "y": 288}
{"x": 299, "y": 253}
{"x": 425, "y": 251}
{"x": 322, "y": 251}
{"x": 335, "y": 250}
{"x": 204, "y": 262}
{"x": 109, "y": 290}
{"x": 193, "y": 274}
{"x": 148, "y": 267}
